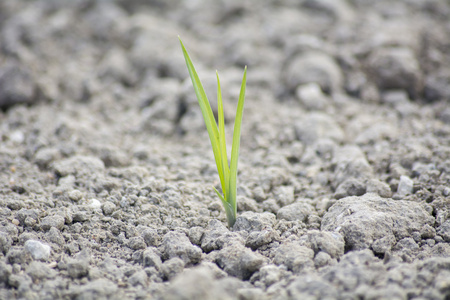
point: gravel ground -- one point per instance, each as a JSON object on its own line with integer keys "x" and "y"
{"x": 106, "y": 171}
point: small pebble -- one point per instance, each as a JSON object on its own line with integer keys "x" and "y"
{"x": 75, "y": 195}
{"x": 30, "y": 222}
{"x": 446, "y": 191}
{"x": 38, "y": 250}
{"x": 17, "y": 137}
{"x": 108, "y": 208}
{"x": 405, "y": 186}
{"x": 95, "y": 204}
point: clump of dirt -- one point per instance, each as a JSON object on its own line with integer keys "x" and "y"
{"x": 106, "y": 171}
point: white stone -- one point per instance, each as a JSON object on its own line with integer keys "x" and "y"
{"x": 311, "y": 96}
{"x": 38, "y": 250}
{"x": 95, "y": 204}
{"x": 405, "y": 186}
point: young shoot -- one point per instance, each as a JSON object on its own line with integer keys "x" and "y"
{"x": 227, "y": 171}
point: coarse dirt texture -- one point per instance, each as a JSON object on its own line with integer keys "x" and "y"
{"x": 106, "y": 171}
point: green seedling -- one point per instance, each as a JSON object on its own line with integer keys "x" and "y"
{"x": 227, "y": 172}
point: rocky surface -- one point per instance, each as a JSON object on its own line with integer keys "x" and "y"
{"x": 106, "y": 171}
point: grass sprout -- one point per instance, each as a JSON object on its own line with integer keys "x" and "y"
{"x": 227, "y": 171}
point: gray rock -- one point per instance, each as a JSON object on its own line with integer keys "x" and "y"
{"x": 80, "y": 216}
{"x": 55, "y": 236}
{"x": 97, "y": 289}
{"x": 151, "y": 258}
{"x": 56, "y": 221}
{"x": 137, "y": 243}
{"x": 172, "y": 267}
{"x": 271, "y": 274}
{"x": 298, "y": 211}
{"x": 355, "y": 268}
{"x": 22, "y": 282}
{"x": 196, "y": 234}
{"x": 256, "y": 239}
{"x": 347, "y": 153}
{"x": 375, "y": 132}
{"x": 23, "y": 214}
{"x": 444, "y": 115}
{"x": 250, "y": 221}
{"x": 405, "y": 186}
{"x": 191, "y": 122}
{"x": 444, "y": 230}
{"x": 18, "y": 256}
{"x": 218, "y": 236}
{"x": 395, "y": 97}
{"x": 322, "y": 259}
{"x": 5, "y": 272}
{"x": 322, "y": 149}
{"x": 363, "y": 220}
{"x": 350, "y": 187}
{"x": 218, "y": 273}
{"x": 17, "y": 85}
{"x": 427, "y": 232}
{"x": 135, "y": 174}
{"x": 159, "y": 105}
{"x": 331, "y": 243}
{"x": 406, "y": 244}
{"x": 440, "y": 250}
{"x": 378, "y": 187}
{"x": 250, "y": 293}
{"x": 13, "y": 204}
{"x": 259, "y": 194}
{"x": 352, "y": 167}
{"x": 108, "y": 208}
{"x": 79, "y": 165}
{"x": 315, "y": 126}
{"x": 138, "y": 278}
{"x": 284, "y": 195}
{"x": 383, "y": 244}
{"x": 311, "y": 287}
{"x": 177, "y": 244}
{"x": 79, "y": 266}
{"x": 270, "y": 205}
{"x": 38, "y": 250}
{"x": 75, "y": 195}
{"x": 151, "y": 237}
{"x": 419, "y": 168}
{"x": 311, "y": 96}
{"x": 294, "y": 256}
{"x": 435, "y": 264}
{"x": 396, "y": 68}
{"x": 116, "y": 66}
{"x": 239, "y": 261}
{"x": 338, "y": 11}
{"x": 246, "y": 204}
{"x": 390, "y": 291}
{"x": 72, "y": 247}
{"x": 5, "y": 242}
{"x": 437, "y": 85}
{"x": 40, "y": 271}
{"x": 113, "y": 157}
{"x": 197, "y": 283}
{"x": 313, "y": 67}
{"x": 45, "y": 156}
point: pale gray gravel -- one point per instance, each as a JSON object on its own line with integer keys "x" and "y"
{"x": 106, "y": 170}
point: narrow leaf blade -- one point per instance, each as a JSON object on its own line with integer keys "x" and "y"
{"x": 236, "y": 143}
{"x": 207, "y": 113}
{"x": 222, "y": 140}
{"x": 229, "y": 210}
